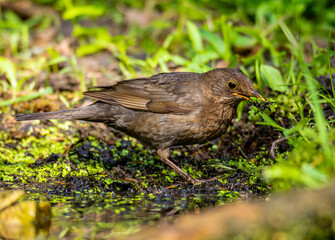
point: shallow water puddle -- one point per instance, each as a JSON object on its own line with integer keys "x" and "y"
{"x": 104, "y": 215}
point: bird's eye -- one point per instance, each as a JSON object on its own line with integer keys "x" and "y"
{"x": 231, "y": 85}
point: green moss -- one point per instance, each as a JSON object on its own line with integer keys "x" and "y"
{"x": 305, "y": 166}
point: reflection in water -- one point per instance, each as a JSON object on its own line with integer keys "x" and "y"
{"x": 101, "y": 215}
{"x": 23, "y": 220}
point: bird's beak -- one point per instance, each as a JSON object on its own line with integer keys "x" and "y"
{"x": 257, "y": 95}
{"x": 252, "y": 93}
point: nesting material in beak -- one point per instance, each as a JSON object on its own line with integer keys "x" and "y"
{"x": 257, "y": 95}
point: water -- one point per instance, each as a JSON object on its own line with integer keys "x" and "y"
{"x": 96, "y": 215}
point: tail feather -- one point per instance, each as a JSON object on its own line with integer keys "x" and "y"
{"x": 96, "y": 112}
{"x": 66, "y": 115}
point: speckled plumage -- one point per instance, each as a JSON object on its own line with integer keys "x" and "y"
{"x": 167, "y": 109}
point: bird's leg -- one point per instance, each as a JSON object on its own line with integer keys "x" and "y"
{"x": 164, "y": 156}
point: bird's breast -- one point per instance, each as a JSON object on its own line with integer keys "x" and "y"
{"x": 210, "y": 124}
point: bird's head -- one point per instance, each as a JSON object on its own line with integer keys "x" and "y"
{"x": 230, "y": 85}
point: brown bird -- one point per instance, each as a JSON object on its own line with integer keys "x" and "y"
{"x": 167, "y": 109}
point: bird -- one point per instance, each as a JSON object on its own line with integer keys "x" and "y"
{"x": 166, "y": 109}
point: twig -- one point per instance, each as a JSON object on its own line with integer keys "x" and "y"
{"x": 274, "y": 145}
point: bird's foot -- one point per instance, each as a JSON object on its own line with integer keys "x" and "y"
{"x": 164, "y": 156}
{"x": 197, "y": 181}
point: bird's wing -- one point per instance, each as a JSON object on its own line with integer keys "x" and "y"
{"x": 161, "y": 94}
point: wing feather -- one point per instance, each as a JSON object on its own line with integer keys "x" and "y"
{"x": 144, "y": 94}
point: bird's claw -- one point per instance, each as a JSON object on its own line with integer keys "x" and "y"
{"x": 197, "y": 181}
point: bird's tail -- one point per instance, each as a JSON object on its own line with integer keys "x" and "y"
{"x": 67, "y": 115}
{"x": 95, "y": 112}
